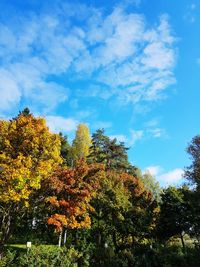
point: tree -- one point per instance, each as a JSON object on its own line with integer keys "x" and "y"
{"x": 28, "y": 154}
{"x": 192, "y": 173}
{"x": 111, "y": 201}
{"x": 142, "y": 216}
{"x": 124, "y": 214}
{"x": 69, "y": 192}
{"x": 108, "y": 151}
{"x": 152, "y": 185}
{"x": 174, "y": 218}
{"x": 81, "y": 143}
{"x": 66, "y": 150}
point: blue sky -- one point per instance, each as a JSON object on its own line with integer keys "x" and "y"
{"x": 130, "y": 67}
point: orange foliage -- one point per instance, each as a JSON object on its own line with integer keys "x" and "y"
{"x": 69, "y": 194}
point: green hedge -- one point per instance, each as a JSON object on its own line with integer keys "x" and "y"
{"x": 41, "y": 256}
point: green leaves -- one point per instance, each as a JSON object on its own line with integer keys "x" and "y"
{"x": 108, "y": 151}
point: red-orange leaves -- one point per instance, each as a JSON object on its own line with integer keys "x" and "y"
{"x": 58, "y": 221}
{"x": 69, "y": 194}
{"x": 133, "y": 184}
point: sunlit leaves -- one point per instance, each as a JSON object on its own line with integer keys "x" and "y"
{"x": 69, "y": 194}
{"x": 81, "y": 143}
{"x": 28, "y": 154}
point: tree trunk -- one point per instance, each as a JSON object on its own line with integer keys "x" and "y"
{"x": 183, "y": 243}
{"x": 5, "y": 230}
{"x": 60, "y": 238}
{"x": 65, "y": 237}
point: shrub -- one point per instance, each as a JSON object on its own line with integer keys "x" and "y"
{"x": 42, "y": 256}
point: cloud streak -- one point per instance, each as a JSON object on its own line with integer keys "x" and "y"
{"x": 118, "y": 54}
{"x": 58, "y": 124}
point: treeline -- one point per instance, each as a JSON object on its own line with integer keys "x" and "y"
{"x": 88, "y": 196}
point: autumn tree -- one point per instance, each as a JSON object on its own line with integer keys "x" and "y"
{"x": 141, "y": 217}
{"x": 68, "y": 192}
{"x": 28, "y": 154}
{"x": 81, "y": 143}
{"x": 110, "y": 203}
{"x": 125, "y": 214}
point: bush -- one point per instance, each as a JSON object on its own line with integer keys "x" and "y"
{"x": 42, "y": 256}
{"x": 7, "y": 259}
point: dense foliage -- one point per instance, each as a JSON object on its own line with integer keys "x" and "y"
{"x": 88, "y": 198}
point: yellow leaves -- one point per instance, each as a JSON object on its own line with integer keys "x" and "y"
{"x": 28, "y": 153}
{"x": 81, "y": 143}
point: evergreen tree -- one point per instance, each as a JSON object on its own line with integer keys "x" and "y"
{"x": 108, "y": 151}
{"x": 66, "y": 150}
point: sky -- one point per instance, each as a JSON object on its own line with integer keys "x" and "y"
{"x": 131, "y": 67}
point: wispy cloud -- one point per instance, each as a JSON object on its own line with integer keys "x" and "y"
{"x": 153, "y": 170}
{"x": 10, "y": 94}
{"x": 191, "y": 13}
{"x": 135, "y": 136}
{"x": 59, "y": 124}
{"x": 152, "y": 123}
{"x": 146, "y": 134}
{"x": 157, "y": 132}
{"x": 119, "y": 54}
{"x": 172, "y": 177}
{"x": 119, "y": 137}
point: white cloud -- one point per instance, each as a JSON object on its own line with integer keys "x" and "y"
{"x": 152, "y": 123}
{"x": 147, "y": 133}
{"x": 121, "y": 52}
{"x": 59, "y": 124}
{"x": 119, "y": 137}
{"x": 47, "y": 93}
{"x": 102, "y": 92}
{"x": 9, "y": 92}
{"x": 157, "y": 132}
{"x": 157, "y": 56}
{"x": 190, "y": 13}
{"x": 173, "y": 177}
{"x": 135, "y": 136}
{"x": 153, "y": 170}
{"x": 148, "y": 69}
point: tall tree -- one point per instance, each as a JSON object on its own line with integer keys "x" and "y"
{"x": 175, "y": 215}
{"x": 108, "y": 151}
{"x": 152, "y": 185}
{"x": 81, "y": 143}
{"x": 69, "y": 192}
{"x": 28, "y": 154}
{"x": 193, "y": 171}
{"x": 66, "y": 150}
